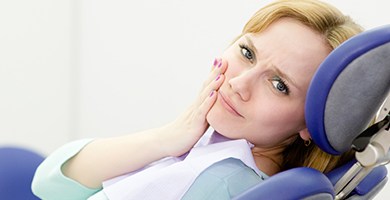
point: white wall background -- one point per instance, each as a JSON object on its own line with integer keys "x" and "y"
{"x": 36, "y": 66}
{"x": 98, "y": 68}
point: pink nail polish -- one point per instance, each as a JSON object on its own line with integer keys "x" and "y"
{"x": 220, "y": 63}
{"x": 212, "y": 93}
{"x": 219, "y": 76}
{"x": 215, "y": 62}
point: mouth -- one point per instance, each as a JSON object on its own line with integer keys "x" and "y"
{"x": 228, "y": 105}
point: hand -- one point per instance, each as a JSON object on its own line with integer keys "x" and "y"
{"x": 143, "y": 148}
{"x": 181, "y": 135}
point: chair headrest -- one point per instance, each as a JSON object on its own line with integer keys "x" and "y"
{"x": 348, "y": 89}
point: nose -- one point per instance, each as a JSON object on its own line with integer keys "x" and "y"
{"x": 243, "y": 84}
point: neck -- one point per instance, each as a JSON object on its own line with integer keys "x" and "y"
{"x": 268, "y": 161}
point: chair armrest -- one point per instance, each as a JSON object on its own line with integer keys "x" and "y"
{"x": 297, "y": 183}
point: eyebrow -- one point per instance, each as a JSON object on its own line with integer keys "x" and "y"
{"x": 251, "y": 45}
{"x": 276, "y": 69}
{"x": 288, "y": 79}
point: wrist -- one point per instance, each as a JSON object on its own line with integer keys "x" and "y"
{"x": 173, "y": 141}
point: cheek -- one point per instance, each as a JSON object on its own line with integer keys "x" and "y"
{"x": 275, "y": 124}
{"x": 281, "y": 113}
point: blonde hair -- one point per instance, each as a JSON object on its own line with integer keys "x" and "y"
{"x": 335, "y": 27}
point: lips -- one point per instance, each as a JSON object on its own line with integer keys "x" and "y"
{"x": 228, "y": 105}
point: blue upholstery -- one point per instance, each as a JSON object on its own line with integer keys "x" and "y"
{"x": 296, "y": 183}
{"x": 17, "y": 169}
{"x": 361, "y": 51}
{"x": 364, "y": 187}
{"x": 326, "y": 76}
{"x": 300, "y": 183}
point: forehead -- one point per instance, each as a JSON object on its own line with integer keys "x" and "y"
{"x": 292, "y": 47}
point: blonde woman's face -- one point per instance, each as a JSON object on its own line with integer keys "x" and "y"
{"x": 262, "y": 98}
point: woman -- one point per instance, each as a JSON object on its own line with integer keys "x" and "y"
{"x": 256, "y": 91}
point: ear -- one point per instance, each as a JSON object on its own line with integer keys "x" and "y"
{"x": 304, "y": 134}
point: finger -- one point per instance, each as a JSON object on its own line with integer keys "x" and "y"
{"x": 214, "y": 81}
{"x": 213, "y": 86}
{"x": 215, "y": 63}
{"x": 222, "y": 66}
{"x": 207, "y": 105}
{"x": 218, "y": 72}
{"x": 219, "y": 67}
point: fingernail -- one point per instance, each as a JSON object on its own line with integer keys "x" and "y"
{"x": 212, "y": 93}
{"x": 215, "y": 62}
{"x": 220, "y": 63}
{"x": 219, "y": 76}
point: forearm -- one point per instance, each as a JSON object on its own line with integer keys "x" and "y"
{"x": 103, "y": 159}
{"x": 106, "y": 158}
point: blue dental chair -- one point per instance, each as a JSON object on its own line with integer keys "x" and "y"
{"x": 17, "y": 168}
{"x": 346, "y": 93}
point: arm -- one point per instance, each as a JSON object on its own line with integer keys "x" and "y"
{"x": 103, "y": 159}
{"x": 50, "y": 183}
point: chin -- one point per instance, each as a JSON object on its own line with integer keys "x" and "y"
{"x": 218, "y": 125}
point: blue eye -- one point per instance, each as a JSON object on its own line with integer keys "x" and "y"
{"x": 246, "y": 52}
{"x": 280, "y": 85}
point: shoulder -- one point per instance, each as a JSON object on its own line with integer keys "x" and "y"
{"x": 223, "y": 180}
